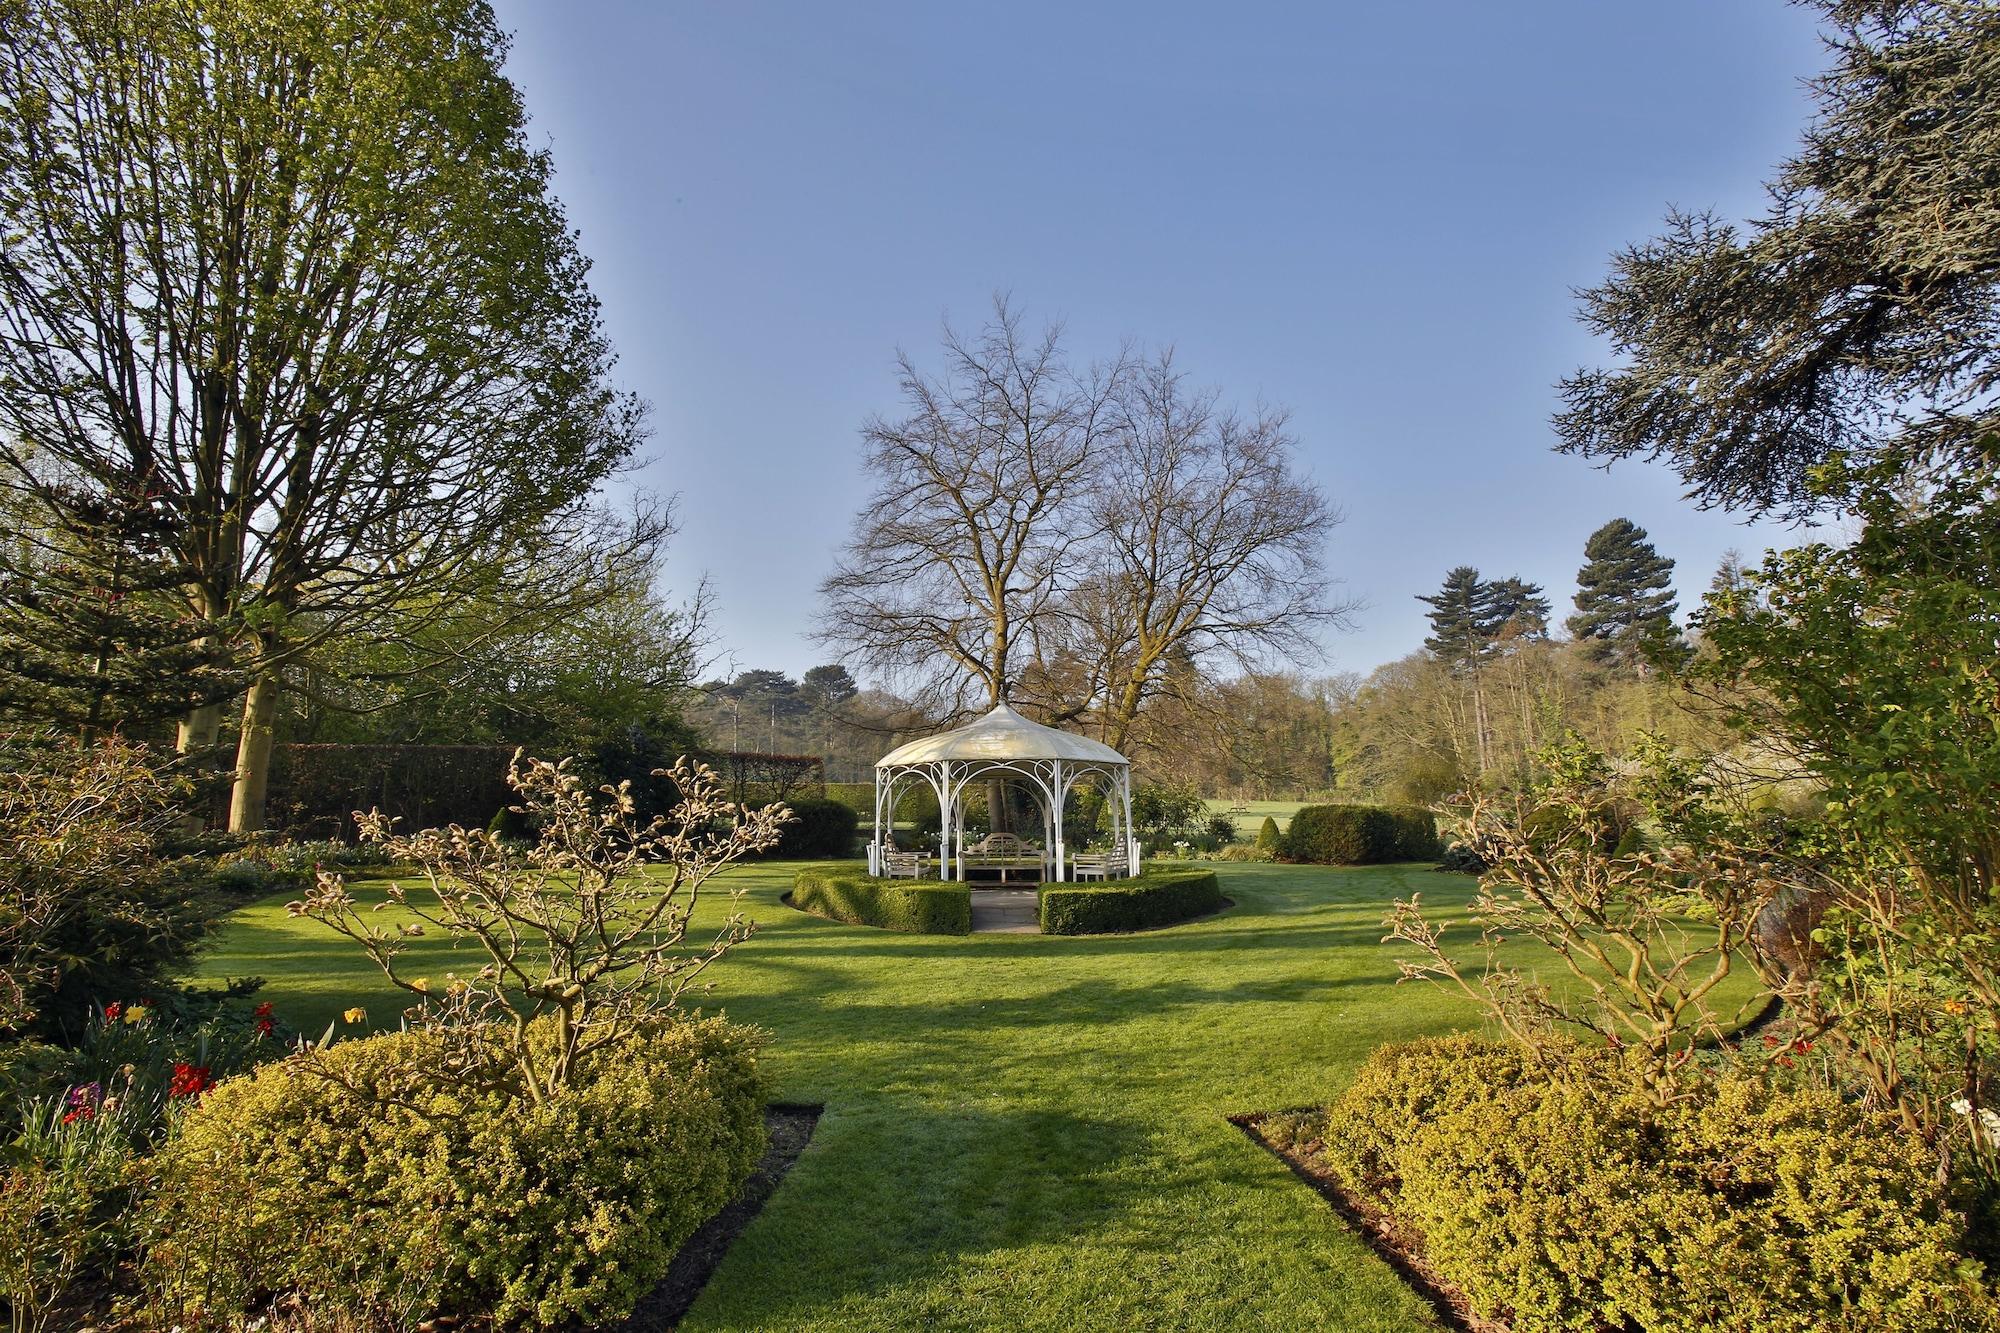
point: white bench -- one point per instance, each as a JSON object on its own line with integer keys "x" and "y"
{"x": 902, "y": 865}
{"x": 1093, "y": 865}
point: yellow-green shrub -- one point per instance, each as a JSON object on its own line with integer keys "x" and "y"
{"x": 391, "y": 1203}
{"x": 1574, "y": 1204}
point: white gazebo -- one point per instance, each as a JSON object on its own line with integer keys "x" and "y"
{"x": 1048, "y": 763}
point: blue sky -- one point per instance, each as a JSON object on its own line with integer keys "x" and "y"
{"x": 1372, "y": 214}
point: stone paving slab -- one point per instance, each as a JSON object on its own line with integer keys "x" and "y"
{"x": 1005, "y": 911}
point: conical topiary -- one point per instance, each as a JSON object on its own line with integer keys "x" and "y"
{"x": 1267, "y": 836}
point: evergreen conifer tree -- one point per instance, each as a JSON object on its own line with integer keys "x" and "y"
{"x": 1461, "y": 617}
{"x": 1516, "y": 609}
{"x": 1624, "y": 593}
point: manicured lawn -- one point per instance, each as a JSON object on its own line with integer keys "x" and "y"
{"x": 1248, "y": 824}
{"x": 1028, "y": 1132}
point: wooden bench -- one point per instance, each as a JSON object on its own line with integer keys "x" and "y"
{"x": 902, "y": 865}
{"x": 1007, "y": 853}
{"x": 1096, "y": 865}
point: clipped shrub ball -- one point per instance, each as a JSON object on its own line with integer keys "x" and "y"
{"x": 816, "y": 829}
{"x": 1559, "y": 1198}
{"x": 366, "y": 1188}
{"x": 1347, "y": 835}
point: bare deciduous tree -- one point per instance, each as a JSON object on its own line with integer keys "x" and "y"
{"x": 979, "y": 503}
{"x": 1208, "y": 547}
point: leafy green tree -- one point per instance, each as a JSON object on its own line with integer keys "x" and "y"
{"x": 1875, "y": 663}
{"x": 1624, "y": 592}
{"x": 1856, "y": 316}
{"x": 293, "y": 268}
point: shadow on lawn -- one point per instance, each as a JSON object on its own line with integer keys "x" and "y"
{"x": 851, "y": 1226}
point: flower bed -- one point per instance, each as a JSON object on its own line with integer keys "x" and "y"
{"x": 850, "y": 894}
{"x": 1156, "y": 898}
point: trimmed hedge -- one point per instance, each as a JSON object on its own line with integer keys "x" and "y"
{"x": 1557, "y": 1198}
{"x": 1354, "y": 835}
{"x": 915, "y": 906}
{"x": 379, "y": 1210}
{"x": 816, "y": 829}
{"x": 1156, "y": 898}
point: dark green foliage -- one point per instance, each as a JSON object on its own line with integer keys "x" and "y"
{"x": 1161, "y": 810}
{"x": 1624, "y": 592}
{"x": 920, "y": 907}
{"x": 816, "y": 829}
{"x": 1857, "y": 314}
{"x": 1558, "y": 1199}
{"x": 1156, "y": 898}
{"x": 1416, "y": 834}
{"x": 1471, "y": 619}
{"x": 1222, "y": 829}
{"x": 315, "y": 789}
{"x": 94, "y": 626}
{"x": 1459, "y": 628}
{"x": 1353, "y": 835}
{"x": 1458, "y": 859}
{"x": 1268, "y": 836}
{"x": 638, "y": 754}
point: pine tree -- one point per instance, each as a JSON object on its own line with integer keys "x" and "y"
{"x": 1461, "y": 617}
{"x": 1516, "y": 609}
{"x": 94, "y": 632}
{"x": 1624, "y": 593}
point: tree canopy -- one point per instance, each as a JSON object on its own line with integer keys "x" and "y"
{"x": 1858, "y": 315}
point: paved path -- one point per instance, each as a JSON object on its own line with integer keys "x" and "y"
{"x": 1008, "y": 910}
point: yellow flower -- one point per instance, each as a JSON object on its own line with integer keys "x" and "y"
{"x": 421, "y": 984}
{"x": 356, "y": 1015}
{"x": 135, "y": 1012}
{"x": 1955, "y": 1007}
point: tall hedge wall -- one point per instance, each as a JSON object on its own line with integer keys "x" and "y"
{"x": 919, "y": 907}
{"x": 315, "y": 789}
{"x": 1353, "y": 835}
{"x": 1156, "y": 898}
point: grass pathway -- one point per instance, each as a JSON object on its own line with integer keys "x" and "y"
{"x": 1025, "y": 1132}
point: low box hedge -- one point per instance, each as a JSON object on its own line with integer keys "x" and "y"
{"x": 1354, "y": 835}
{"x": 1156, "y": 898}
{"x": 851, "y": 894}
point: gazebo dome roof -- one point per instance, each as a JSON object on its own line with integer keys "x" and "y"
{"x": 1001, "y": 735}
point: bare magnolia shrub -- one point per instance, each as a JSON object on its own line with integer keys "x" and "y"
{"x": 587, "y": 928}
{"x": 1644, "y": 939}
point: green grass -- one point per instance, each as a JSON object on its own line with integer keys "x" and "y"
{"x": 1248, "y": 824}
{"x": 1028, "y": 1132}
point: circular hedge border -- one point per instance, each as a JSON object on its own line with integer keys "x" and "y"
{"x": 1156, "y": 898}
{"x": 852, "y": 895}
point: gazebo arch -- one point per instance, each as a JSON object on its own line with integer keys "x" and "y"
{"x": 1049, "y": 763}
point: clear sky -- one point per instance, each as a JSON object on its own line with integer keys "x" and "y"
{"x": 1373, "y": 214}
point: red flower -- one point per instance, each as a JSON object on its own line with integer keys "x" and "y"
{"x": 1770, "y": 1040}
{"x": 262, "y": 1013}
{"x": 189, "y": 1080}
{"x": 112, "y": 1010}
{"x": 84, "y": 1112}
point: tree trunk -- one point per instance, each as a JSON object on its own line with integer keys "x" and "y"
{"x": 253, "y": 752}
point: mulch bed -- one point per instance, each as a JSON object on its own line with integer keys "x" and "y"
{"x": 1397, "y": 1246}
{"x": 791, "y": 1126}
